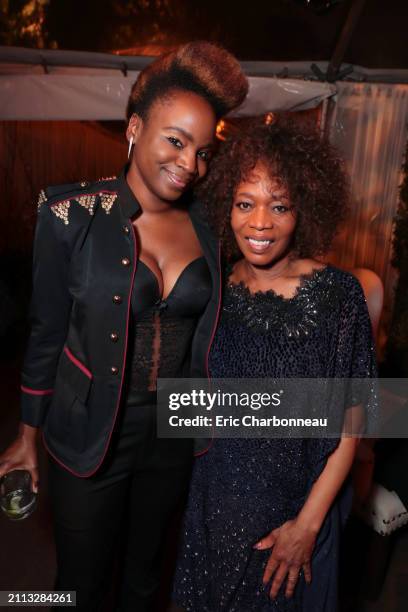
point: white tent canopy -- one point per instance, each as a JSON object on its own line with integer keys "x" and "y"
{"x": 104, "y": 96}
{"x": 69, "y": 85}
{"x": 75, "y": 85}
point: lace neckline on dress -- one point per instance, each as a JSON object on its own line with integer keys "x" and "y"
{"x": 309, "y": 278}
{"x": 297, "y": 315}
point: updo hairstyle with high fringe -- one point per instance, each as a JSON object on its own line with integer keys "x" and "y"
{"x": 307, "y": 165}
{"x": 199, "y": 67}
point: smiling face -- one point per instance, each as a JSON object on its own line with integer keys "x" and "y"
{"x": 173, "y": 145}
{"x": 262, "y": 218}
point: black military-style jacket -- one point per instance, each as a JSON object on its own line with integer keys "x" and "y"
{"x": 85, "y": 257}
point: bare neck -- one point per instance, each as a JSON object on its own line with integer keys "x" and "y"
{"x": 262, "y": 274}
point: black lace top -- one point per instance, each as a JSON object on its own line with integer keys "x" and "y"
{"x": 162, "y": 330}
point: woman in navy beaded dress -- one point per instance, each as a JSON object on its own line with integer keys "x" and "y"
{"x": 261, "y": 530}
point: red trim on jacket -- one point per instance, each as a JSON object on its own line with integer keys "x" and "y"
{"x": 91, "y": 472}
{"x": 78, "y": 364}
{"x": 36, "y": 391}
{"x": 129, "y": 306}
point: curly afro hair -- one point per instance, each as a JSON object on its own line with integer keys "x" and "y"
{"x": 309, "y": 168}
{"x": 200, "y": 67}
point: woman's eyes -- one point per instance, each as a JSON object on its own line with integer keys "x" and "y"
{"x": 280, "y": 209}
{"x": 204, "y": 155}
{"x": 277, "y": 209}
{"x": 243, "y": 205}
{"x": 176, "y": 142}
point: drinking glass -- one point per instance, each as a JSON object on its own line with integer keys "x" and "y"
{"x": 17, "y": 500}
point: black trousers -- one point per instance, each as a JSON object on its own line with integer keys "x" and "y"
{"x": 136, "y": 491}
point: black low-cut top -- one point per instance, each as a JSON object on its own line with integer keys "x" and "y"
{"x": 162, "y": 329}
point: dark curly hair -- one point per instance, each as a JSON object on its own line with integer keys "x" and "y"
{"x": 309, "y": 167}
{"x": 200, "y": 67}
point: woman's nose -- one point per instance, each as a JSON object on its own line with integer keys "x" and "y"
{"x": 188, "y": 161}
{"x": 261, "y": 219}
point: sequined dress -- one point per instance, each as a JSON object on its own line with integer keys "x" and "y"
{"x": 243, "y": 488}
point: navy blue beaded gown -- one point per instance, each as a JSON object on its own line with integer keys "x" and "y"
{"x": 242, "y": 489}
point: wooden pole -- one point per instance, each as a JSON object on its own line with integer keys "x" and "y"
{"x": 343, "y": 41}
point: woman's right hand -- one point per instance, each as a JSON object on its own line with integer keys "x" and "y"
{"x": 22, "y": 455}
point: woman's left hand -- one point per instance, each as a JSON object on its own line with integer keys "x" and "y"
{"x": 292, "y": 546}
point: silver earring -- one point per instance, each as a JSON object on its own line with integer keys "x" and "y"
{"x": 130, "y": 146}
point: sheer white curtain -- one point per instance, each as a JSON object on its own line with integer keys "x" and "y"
{"x": 369, "y": 125}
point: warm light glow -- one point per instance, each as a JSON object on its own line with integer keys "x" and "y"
{"x": 220, "y": 130}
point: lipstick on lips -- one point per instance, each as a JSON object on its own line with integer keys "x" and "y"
{"x": 176, "y": 180}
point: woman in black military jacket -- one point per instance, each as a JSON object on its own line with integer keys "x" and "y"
{"x": 126, "y": 289}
